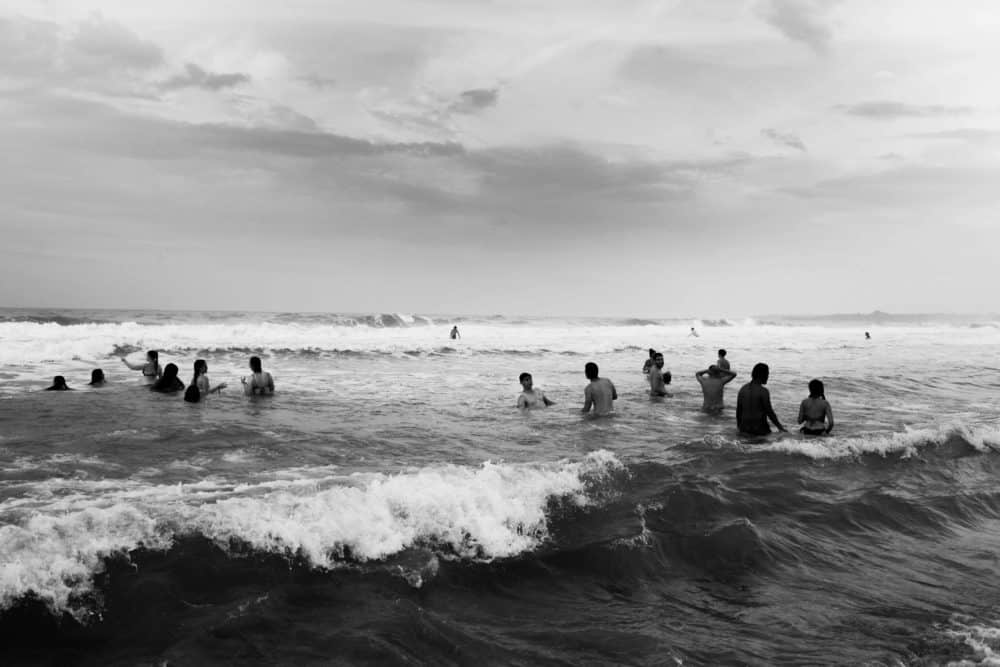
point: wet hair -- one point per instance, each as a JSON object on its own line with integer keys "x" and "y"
{"x": 590, "y": 370}
{"x": 760, "y": 372}
{"x": 168, "y": 381}
{"x": 153, "y": 356}
{"x": 58, "y": 383}
{"x": 255, "y": 364}
{"x": 200, "y": 368}
{"x": 722, "y": 353}
{"x": 816, "y": 389}
{"x": 713, "y": 369}
{"x": 96, "y": 376}
{"x": 520, "y": 378}
{"x": 192, "y": 394}
{"x": 652, "y": 352}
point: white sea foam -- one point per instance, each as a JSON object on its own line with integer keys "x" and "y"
{"x": 982, "y": 639}
{"x": 905, "y": 443}
{"x": 55, "y": 541}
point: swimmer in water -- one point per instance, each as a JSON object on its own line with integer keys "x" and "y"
{"x": 151, "y": 368}
{"x": 649, "y": 362}
{"x": 713, "y": 383}
{"x": 97, "y": 378}
{"x": 454, "y": 333}
{"x": 753, "y": 404}
{"x": 657, "y": 379}
{"x": 200, "y": 379}
{"x": 722, "y": 362}
{"x": 261, "y": 383}
{"x": 530, "y": 397}
{"x": 600, "y": 394}
{"x": 168, "y": 382}
{"x": 815, "y": 413}
{"x": 59, "y": 384}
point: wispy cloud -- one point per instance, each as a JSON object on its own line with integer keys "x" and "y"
{"x": 196, "y": 77}
{"x": 784, "y": 138}
{"x": 800, "y": 20}
{"x": 475, "y": 100}
{"x": 887, "y": 109}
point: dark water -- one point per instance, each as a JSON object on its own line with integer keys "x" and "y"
{"x": 389, "y": 506}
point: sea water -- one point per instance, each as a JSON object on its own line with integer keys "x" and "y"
{"x": 390, "y": 505}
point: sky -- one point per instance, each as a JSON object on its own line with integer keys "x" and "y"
{"x": 665, "y": 158}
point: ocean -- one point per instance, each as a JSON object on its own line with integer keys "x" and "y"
{"x": 389, "y": 505}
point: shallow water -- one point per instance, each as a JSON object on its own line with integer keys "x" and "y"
{"x": 389, "y": 505}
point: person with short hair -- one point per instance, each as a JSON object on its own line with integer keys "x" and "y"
{"x": 531, "y": 397}
{"x": 97, "y": 378}
{"x": 168, "y": 383}
{"x": 454, "y": 333}
{"x": 722, "y": 362}
{"x": 815, "y": 413}
{"x": 59, "y": 384}
{"x": 600, "y": 394}
{"x": 151, "y": 368}
{"x": 261, "y": 383}
{"x": 753, "y": 404}
{"x": 713, "y": 383}
{"x": 657, "y": 379}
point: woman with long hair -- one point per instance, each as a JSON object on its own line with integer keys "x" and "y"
{"x": 815, "y": 413}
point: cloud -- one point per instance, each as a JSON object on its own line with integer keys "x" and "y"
{"x": 799, "y": 20}
{"x": 101, "y": 44}
{"x": 784, "y": 138}
{"x": 196, "y": 77}
{"x": 969, "y": 134}
{"x": 27, "y": 47}
{"x": 887, "y": 109}
{"x": 475, "y": 100}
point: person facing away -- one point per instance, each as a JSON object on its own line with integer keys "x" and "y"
{"x": 59, "y": 384}
{"x": 649, "y": 362}
{"x": 753, "y": 404}
{"x": 815, "y": 413}
{"x": 600, "y": 394}
{"x": 200, "y": 380}
{"x": 693, "y": 333}
{"x": 530, "y": 397}
{"x": 868, "y": 336}
{"x": 97, "y": 378}
{"x": 150, "y": 368}
{"x": 454, "y": 333}
{"x": 168, "y": 382}
{"x": 713, "y": 383}
{"x": 261, "y": 383}
{"x": 657, "y": 379}
{"x": 722, "y": 362}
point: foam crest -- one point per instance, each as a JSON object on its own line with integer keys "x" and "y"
{"x": 55, "y": 542}
{"x": 905, "y": 443}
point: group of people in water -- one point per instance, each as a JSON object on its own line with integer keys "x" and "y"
{"x": 164, "y": 379}
{"x": 754, "y": 412}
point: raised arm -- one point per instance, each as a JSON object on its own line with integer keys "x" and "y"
{"x": 728, "y": 376}
{"x": 135, "y": 367}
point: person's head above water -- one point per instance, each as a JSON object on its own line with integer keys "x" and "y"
{"x": 760, "y": 373}
{"x": 525, "y": 380}
{"x": 170, "y": 372}
{"x": 816, "y": 389}
{"x": 590, "y": 370}
{"x": 153, "y": 355}
{"x": 255, "y": 365}
{"x": 658, "y": 359}
{"x": 722, "y": 353}
{"x": 200, "y": 367}
{"x": 97, "y": 376}
{"x": 58, "y": 384}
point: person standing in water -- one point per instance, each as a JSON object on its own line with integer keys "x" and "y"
{"x": 97, "y": 378}
{"x": 722, "y": 362}
{"x": 261, "y": 383}
{"x": 693, "y": 333}
{"x": 657, "y": 379}
{"x": 59, "y": 384}
{"x": 649, "y": 362}
{"x": 200, "y": 379}
{"x": 753, "y": 404}
{"x": 530, "y": 397}
{"x": 868, "y": 336}
{"x": 713, "y": 383}
{"x": 151, "y": 368}
{"x": 600, "y": 394}
{"x": 454, "y": 333}
{"x": 815, "y": 413}
{"x": 168, "y": 382}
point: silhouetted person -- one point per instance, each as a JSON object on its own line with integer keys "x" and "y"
{"x": 600, "y": 394}
{"x": 260, "y": 383}
{"x": 59, "y": 384}
{"x": 192, "y": 394}
{"x": 531, "y": 397}
{"x": 454, "y": 333}
{"x": 97, "y": 378}
{"x": 815, "y": 413}
{"x": 722, "y": 362}
{"x": 693, "y": 333}
{"x": 713, "y": 383}
{"x": 753, "y": 404}
{"x": 168, "y": 382}
{"x": 151, "y": 367}
{"x": 868, "y": 336}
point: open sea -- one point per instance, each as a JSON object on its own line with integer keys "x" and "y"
{"x": 390, "y": 506}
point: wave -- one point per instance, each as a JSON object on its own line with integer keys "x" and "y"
{"x": 943, "y": 440}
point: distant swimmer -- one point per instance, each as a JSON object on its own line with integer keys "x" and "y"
{"x": 693, "y": 333}
{"x": 151, "y": 367}
{"x": 97, "y": 378}
{"x": 868, "y": 336}
{"x": 722, "y": 362}
{"x": 530, "y": 397}
{"x": 454, "y": 333}
{"x": 815, "y": 413}
{"x": 600, "y": 394}
{"x": 657, "y": 380}
{"x": 713, "y": 383}
{"x": 200, "y": 379}
{"x": 649, "y": 362}
{"x": 261, "y": 383}
{"x": 753, "y": 404}
{"x": 59, "y": 384}
{"x": 168, "y": 382}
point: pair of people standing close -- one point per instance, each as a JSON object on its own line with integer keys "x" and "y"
{"x": 598, "y": 396}
{"x": 753, "y": 407}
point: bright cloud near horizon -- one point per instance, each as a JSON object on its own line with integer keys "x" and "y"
{"x": 650, "y": 158}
